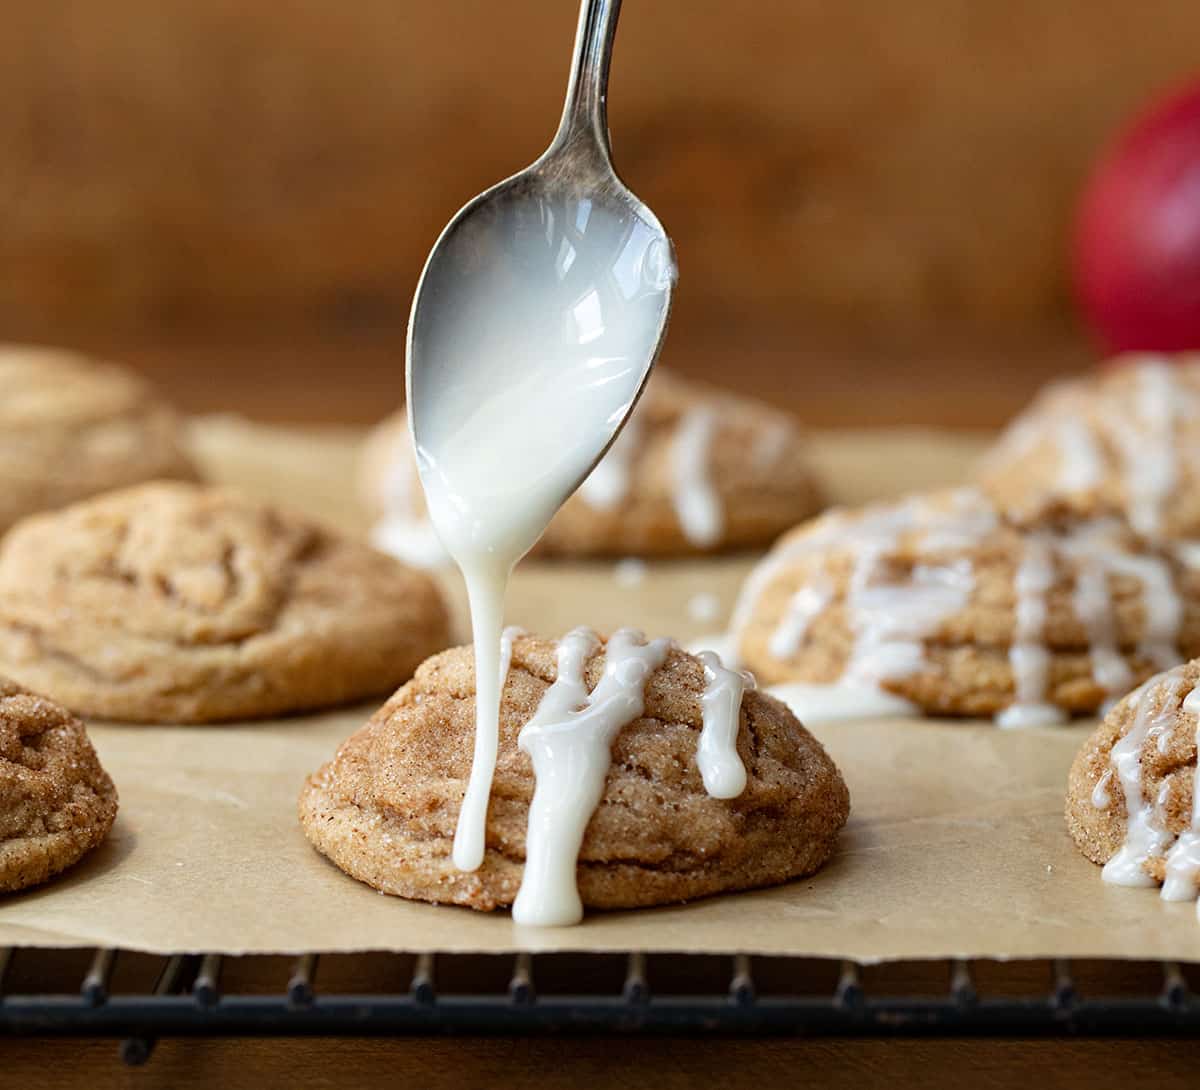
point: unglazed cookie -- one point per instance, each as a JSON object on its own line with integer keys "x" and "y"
{"x": 695, "y": 470}
{"x": 1124, "y": 442}
{"x": 56, "y": 802}
{"x": 386, "y": 807}
{"x": 935, "y": 599}
{"x": 71, "y": 428}
{"x": 1131, "y": 795}
{"x": 172, "y": 602}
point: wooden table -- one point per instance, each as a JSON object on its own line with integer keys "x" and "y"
{"x": 868, "y": 379}
{"x": 957, "y": 382}
{"x": 634, "y": 1063}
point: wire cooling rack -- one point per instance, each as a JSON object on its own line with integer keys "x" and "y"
{"x": 138, "y": 998}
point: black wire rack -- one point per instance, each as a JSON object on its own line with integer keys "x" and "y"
{"x": 138, "y": 998}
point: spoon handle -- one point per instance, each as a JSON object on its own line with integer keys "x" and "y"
{"x": 585, "y": 113}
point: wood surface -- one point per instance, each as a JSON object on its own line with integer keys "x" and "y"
{"x": 938, "y": 380}
{"x": 624, "y": 1064}
{"x": 206, "y": 163}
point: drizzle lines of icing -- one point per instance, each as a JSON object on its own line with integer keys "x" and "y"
{"x": 569, "y": 740}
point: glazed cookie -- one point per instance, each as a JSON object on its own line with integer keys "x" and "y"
{"x": 174, "y": 602}
{"x": 386, "y": 807}
{"x": 934, "y": 599}
{"x": 71, "y": 428}
{"x": 56, "y": 802}
{"x": 695, "y": 470}
{"x": 1131, "y": 795}
{"x": 1124, "y": 442}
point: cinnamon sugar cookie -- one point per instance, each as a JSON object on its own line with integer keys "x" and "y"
{"x": 695, "y": 470}
{"x": 71, "y": 428}
{"x": 184, "y": 603}
{"x": 1124, "y": 442}
{"x": 56, "y": 802}
{"x": 1131, "y": 795}
{"x": 936, "y": 600}
{"x": 386, "y": 807}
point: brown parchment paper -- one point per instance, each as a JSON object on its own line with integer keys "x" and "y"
{"x": 955, "y": 847}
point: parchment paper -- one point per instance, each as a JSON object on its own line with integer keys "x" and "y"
{"x": 955, "y": 847}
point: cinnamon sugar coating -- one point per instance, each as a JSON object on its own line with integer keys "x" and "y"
{"x": 56, "y": 802}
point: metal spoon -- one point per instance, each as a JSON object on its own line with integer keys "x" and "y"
{"x": 558, "y": 274}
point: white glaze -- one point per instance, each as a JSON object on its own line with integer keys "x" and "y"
{"x": 1187, "y": 553}
{"x": 721, "y": 644}
{"x": 802, "y": 609}
{"x": 485, "y": 593}
{"x": 1028, "y": 656}
{"x": 511, "y": 633}
{"x": 569, "y": 740}
{"x": 704, "y": 606}
{"x": 404, "y": 531}
{"x": 717, "y": 757}
{"x": 1145, "y": 836}
{"x": 694, "y": 497}
{"x": 1161, "y": 604}
{"x": 1081, "y": 466}
{"x": 1093, "y": 604}
{"x": 608, "y": 484}
{"x": 629, "y": 572}
{"x": 829, "y": 703}
{"x": 410, "y": 539}
{"x": 770, "y": 445}
{"x": 1183, "y": 860}
{"x": 1148, "y": 452}
{"x": 890, "y": 620}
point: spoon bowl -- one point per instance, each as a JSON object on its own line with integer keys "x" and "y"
{"x": 539, "y": 314}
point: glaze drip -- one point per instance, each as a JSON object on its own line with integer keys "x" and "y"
{"x": 1183, "y": 860}
{"x": 1148, "y": 452}
{"x": 608, "y": 483}
{"x": 569, "y": 740}
{"x": 1029, "y": 657}
{"x": 1145, "y": 835}
{"x": 697, "y": 505}
{"x": 717, "y": 757}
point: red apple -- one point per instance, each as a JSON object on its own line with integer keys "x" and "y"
{"x": 1137, "y": 242}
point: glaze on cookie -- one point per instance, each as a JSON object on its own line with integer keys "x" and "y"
{"x": 56, "y": 802}
{"x": 386, "y": 807}
{"x": 1131, "y": 795}
{"x": 695, "y": 470}
{"x": 1123, "y": 443}
{"x": 173, "y": 602}
{"x": 71, "y": 428}
{"x": 936, "y": 600}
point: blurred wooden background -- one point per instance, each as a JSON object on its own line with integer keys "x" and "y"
{"x": 238, "y": 194}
